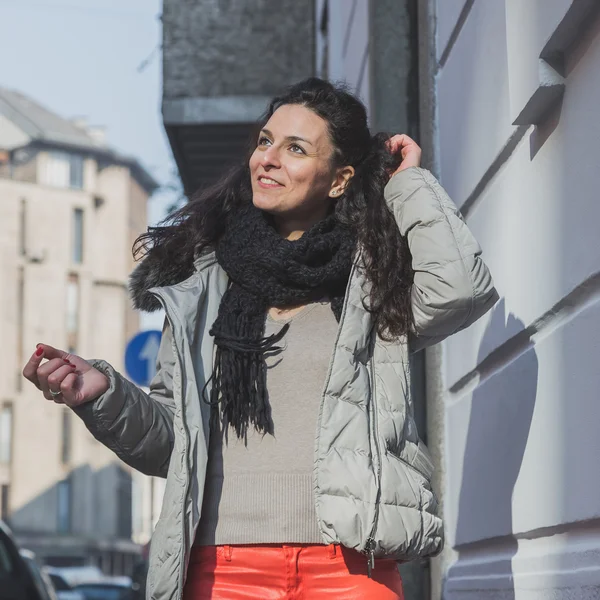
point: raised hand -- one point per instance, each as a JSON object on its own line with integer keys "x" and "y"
{"x": 406, "y": 150}
{"x": 64, "y": 378}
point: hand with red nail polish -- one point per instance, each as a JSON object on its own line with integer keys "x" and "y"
{"x": 63, "y": 377}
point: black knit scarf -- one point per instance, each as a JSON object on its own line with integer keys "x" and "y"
{"x": 267, "y": 270}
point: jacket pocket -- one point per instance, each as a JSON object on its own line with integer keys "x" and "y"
{"x": 419, "y": 472}
{"x": 422, "y": 469}
{"x": 422, "y": 461}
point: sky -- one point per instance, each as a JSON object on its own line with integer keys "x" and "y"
{"x": 98, "y": 59}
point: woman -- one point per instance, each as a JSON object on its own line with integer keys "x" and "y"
{"x": 291, "y": 300}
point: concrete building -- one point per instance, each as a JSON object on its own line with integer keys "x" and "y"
{"x": 223, "y": 60}
{"x": 70, "y": 209}
{"x": 516, "y": 145}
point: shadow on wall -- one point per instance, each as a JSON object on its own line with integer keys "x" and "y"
{"x": 63, "y": 523}
{"x": 498, "y": 430}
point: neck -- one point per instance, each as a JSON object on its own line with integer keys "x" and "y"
{"x": 294, "y": 229}
{"x": 291, "y": 232}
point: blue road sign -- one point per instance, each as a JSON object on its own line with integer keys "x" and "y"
{"x": 140, "y": 356}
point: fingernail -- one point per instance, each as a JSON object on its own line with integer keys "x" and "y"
{"x": 67, "y": 361}
{"x": 39, "y": 352}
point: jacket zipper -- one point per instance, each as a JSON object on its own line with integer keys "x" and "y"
{"x": 325, "y": 386}
{"x": 371, "y": 543}
{"x": 186, "y": 491}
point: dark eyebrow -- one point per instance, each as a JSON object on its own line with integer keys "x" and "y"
{"x": 291, "y": 138}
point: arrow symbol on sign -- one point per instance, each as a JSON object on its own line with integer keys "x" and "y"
{"x": 149, "y": 353}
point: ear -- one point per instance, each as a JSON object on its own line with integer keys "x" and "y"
{"x": 342, "y": 177}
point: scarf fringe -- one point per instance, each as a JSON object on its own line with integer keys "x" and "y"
{"x": 266, "y": 270}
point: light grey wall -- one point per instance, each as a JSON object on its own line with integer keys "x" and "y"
{"x": 517, "y": 150}
{"x": 100, "y": 506}
{"x": 348, "y": 45}
{"x": 369, "y": 46}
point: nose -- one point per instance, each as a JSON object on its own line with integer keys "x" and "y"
{"x": 270, "y": 158}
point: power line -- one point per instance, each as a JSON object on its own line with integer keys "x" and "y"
{"x": 149, "y": 60}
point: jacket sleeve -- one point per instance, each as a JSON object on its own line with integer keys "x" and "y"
{"x": 452, "y": 286}
{"x": 136, "y": 426}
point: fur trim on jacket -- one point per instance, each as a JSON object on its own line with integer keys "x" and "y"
{"x": 156, "y": 271}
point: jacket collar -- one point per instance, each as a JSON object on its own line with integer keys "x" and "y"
{"x": 155, "y": 272}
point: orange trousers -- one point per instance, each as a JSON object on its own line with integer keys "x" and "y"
{"x": 288, "y": 572}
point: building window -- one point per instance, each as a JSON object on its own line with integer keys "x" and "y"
{"x": 6, "y": 429}
{"x": 63, "y": 169}
{"x": 4, "y": 498}
{"x": 23, "y": 228}
{"x": 72, "y": 313}
{"x": 77, "y": 236}
{"x": 64, "y": 505}
{"x": 65, "y": 445}
{"x": 76, "y": 171}
{"x": 20, "y": 324}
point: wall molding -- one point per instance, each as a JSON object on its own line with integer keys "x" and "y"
{"x": 560, "y": 562}
{"x": 582, "y": 297}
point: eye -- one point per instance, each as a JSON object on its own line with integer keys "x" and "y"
{"x": 263, "y": 140}
{"x": 297, "y": 149}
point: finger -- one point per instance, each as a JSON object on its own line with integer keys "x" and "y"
{"x": 55, "y": 381}
{"x": 407, "y": 140}
{"x": 397, "y": 142}
{"x": 406, "y": 145}
{"x": 44, "y": 371}
{"x": 80, "y": 363}
{"x": 393, "y": 144}
{"x": 51, "y": 352}
{"x": 70, "y": 389}
{"x": 56, "y": 378}
{"x": 30, "y": 369}
{"x": 47, "y": 371}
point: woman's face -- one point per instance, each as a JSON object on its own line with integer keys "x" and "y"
{"x": 293, "y": 176}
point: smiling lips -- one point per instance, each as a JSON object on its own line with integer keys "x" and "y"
{"x": 267, "y": 182}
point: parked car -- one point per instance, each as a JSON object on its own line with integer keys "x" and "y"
{"x": 43, "y": 583}
{"x": 90, "y": 582}
{"x": 64, "y": 590}
{"x": 106, "y": 591}
{"x": 76, "y": 575}
{"x": 16, "y": 579}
